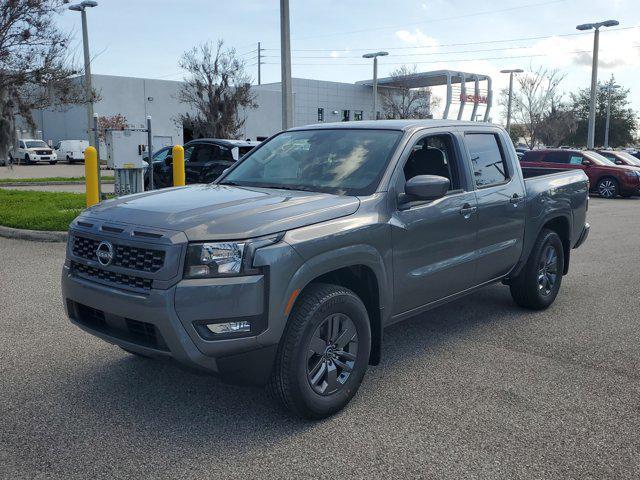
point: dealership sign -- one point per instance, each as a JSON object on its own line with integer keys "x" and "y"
{"x": 473, "y": 98}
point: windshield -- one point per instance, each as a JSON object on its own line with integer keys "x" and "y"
{"x": 340, "y": 161}
{"x": 598, "y": 159}
{"x": 36, "y": 144}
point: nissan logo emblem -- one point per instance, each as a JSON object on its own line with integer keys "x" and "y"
{"x": 104, "y": 253}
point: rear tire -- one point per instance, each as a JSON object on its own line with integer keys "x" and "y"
{"x": 537, "y": 285}
{"x": 324, "y": 352}
{"x": 608, "y": 187}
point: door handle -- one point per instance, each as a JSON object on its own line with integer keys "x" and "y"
{"x": 467, "y": 210}
{"x": 515, "y": 200}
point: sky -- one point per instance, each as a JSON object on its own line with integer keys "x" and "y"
{"x": 145, "y": 38}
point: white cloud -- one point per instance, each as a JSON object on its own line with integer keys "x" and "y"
{"x": 418, "y": 39}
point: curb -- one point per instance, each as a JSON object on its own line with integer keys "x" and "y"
{"x": 33, "y": 235}
{"x": 44, "y": 184}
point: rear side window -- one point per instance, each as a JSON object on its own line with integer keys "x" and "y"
{"x": 556, "y": 157}
{"x": 489, "y": 167}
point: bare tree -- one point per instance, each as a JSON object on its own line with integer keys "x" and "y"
{"x": 402, "y": 101}
{"x": 35, "y": 69}
{"x": 111, "y": 122}
{"x": 536, "y": 93}
{"x": 216, "y": 87}
{"x": 558, "y": 125}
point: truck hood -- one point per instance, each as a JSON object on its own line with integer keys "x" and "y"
{"x": 222, "y": 212}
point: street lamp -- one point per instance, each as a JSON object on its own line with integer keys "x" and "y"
{"x": 510, "y": 72}
{"x": 375, "y": 56}
{"x": 81, "y": 7}
{"x": 594, "y": 74}
{"x": 610, "y": 87}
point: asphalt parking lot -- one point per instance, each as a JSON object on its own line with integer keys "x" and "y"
{"x": 475, "y": 389}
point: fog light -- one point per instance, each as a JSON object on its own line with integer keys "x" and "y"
{"x": 229, "y": 327}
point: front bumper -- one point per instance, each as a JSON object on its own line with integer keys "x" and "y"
{"x": 163, "y": 323}
{"x": 43, "y": 158}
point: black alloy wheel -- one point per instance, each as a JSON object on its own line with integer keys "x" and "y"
{"x": 333, "y": 351}
{"x": 547, "y": 270}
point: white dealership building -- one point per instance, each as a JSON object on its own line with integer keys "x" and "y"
{"x": 313, "y": 101}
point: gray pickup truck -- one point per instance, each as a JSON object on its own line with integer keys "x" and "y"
{"x": 286, "y": 270}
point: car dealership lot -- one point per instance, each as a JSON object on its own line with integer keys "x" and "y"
{"x": 478, "y": 388}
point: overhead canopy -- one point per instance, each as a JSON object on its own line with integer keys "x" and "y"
{"x": 448, "y": 78}
{"x": 426, "y": 79}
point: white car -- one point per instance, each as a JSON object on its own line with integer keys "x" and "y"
{"x": 71, "y": 150}
{"x": 33, "y": 151}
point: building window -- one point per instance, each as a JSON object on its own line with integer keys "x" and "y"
{"x": 321, "y": 114}
{"x": 357, "y": 115}
{"x": 346, "y": 115}
{"x": 378, "y": 116}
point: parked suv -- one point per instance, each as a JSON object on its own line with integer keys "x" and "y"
{"x": 33, "y": 151}
{"x": 620, "y": 158}
{"x": 605, "y": 177}
{"x": 204, "y": 160}
{"x": 287, "y": 269}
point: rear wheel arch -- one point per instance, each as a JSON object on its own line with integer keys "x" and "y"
{"x": 562, "y": 227}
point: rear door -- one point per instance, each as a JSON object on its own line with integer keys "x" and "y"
{"x": 501, "y": 204}
{"x": 433, "y": 241}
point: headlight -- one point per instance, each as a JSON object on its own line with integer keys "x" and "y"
{"x": 214, "y": 259}
{"x": 219, "y": 259}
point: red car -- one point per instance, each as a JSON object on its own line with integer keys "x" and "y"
{"x": 620, "y": 158}
{"x": 605, "y": 177}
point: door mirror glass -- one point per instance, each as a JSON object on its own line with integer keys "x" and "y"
{"x": 619, "y": 162}
{"x": 586, "y": 162}
{"x": 426, "y": 187}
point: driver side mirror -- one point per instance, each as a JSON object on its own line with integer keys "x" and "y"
{"x": 168, "y": 160}
{"x": 426, "y": 187}
{"x": 619, "y": 162}
{"x": 587, "y": 163}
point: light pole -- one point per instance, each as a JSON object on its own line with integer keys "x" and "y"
{"x": 285, "y": 66}
{"x": 81, "y": 7}
{"x": 594, "y": 74}
{"x": 610, "y": 87}
{"x": 375, "y": 56}
{"x": 510, "y": 72}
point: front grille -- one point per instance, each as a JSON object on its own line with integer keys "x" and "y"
{"x": 113, "y": 277}
{"x": 43, "y": 152}
{"x": 134, "y": 331}
{"x": 134, "y": 258}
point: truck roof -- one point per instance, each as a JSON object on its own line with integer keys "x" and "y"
{"x": 395, "y": 124}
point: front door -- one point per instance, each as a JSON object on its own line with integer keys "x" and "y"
{"x": 501, "y": 205}
{"x": 433, "y": 242}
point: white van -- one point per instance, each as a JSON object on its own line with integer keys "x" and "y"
{"x": 71, "y": 150}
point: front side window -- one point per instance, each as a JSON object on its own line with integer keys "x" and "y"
{"x": 575, "y": 159}
{"x": 161, "y": 155}
{"x": 433, "y": 155}
{"x": 339, "y": 161}
{"x": 489, "y": 167}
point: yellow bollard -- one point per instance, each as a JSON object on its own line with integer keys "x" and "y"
{"x": 91, "y": 175}
{"x": 178, "y": 166}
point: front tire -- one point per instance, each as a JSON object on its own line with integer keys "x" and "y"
{"x": 324, "y": 353}
{"x": 53, "y": 162}
{"x": 608, "y": 188}
{"x": 537, "y": 285}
